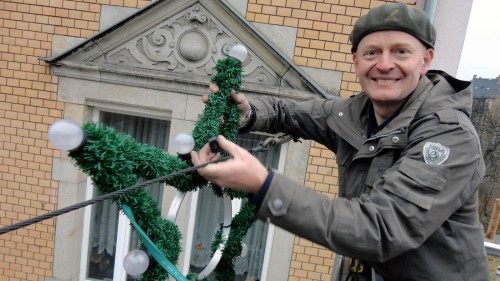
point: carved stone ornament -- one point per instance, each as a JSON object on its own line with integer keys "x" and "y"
{"x": 188, "y": 43}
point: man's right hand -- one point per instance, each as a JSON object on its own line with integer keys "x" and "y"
{"x": 238, "y": 99}
{"x": 242, "y": 171}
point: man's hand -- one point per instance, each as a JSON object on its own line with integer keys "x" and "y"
{"x": 238, "y": 99}
{"x": 243, "y": 171}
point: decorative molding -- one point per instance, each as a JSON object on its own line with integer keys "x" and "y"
{"x": 174, "y": 46}
{"x": 188, "y": 43}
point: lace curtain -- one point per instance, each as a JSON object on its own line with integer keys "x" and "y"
{"x": 104, "y": 224}
{"x": 210, "y": 214}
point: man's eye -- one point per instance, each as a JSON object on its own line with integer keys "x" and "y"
{"x": 370, "y": 53}
{"x": 402, "y": 51}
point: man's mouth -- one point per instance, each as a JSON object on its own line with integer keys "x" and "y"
{"x": 385, "y": 81}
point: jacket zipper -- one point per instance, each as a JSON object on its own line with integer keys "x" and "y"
{"x": 398, "y": 131}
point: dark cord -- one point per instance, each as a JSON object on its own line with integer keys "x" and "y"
{"x": 117, "y": 193}
{"x": 104, "y": 197}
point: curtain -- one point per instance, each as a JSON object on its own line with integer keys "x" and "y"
{"x": 104, "y": 224}
{"x": 209, "y": 215}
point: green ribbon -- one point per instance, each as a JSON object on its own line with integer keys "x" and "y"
{"x": 153, "y": 250}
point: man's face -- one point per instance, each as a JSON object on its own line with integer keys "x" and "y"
{"x": 389, "y": 65}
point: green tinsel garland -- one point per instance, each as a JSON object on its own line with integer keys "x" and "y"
{"x": 221, "y": 116}
{"x": 115, "y": 161}
{"x": 240, "y": 225}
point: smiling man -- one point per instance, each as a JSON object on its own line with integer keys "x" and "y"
{"x": 389, "y": 65}
{"x": 409, "y": 160}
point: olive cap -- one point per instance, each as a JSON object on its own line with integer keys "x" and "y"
{"x": 394, "y": 16}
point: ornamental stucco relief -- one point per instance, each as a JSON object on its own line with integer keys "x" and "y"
{"x": 189, "y": 43}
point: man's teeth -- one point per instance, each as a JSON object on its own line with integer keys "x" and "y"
{"x": 386, "y": 80}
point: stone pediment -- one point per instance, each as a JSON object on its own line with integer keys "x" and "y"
{"x": 189, "y": 43}
{"x": 172, "y": 43}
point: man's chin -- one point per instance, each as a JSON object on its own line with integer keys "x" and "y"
{"x": 384, "y": 97}
{"x": 387, "y": 100}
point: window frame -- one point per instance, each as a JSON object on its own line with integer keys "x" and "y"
{"x": 236, "y": 206}
{"x": 124, "y": 230}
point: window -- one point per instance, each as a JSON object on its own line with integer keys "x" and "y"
{"x": 209, "y": 215}
{"x": 110, "y": 237}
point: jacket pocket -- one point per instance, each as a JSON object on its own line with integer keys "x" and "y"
{"x": 417, "y": 182}
{"x": 378, "y": 167}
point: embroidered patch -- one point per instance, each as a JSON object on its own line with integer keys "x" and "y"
{"x": 435, "y": 153}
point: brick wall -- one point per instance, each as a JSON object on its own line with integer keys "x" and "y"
{"x": 311, "y": 261}
{"x": 27, "y": 107}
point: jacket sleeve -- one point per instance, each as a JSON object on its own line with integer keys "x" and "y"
{"x": 304, "y": 119}
{"x": 409, "y": 202}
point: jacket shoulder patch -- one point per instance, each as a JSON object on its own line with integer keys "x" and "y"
{"x": 435, "y": 153}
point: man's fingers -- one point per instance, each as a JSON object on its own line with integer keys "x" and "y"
{"x": 228, "y": 146}
{"x": 205, "y": 149}
{"x": 242, "y": 103}
{"x": 213, "y": 88}
{"x": 195, "y": 158}
{"x": 237, "y": 98}
{"x": 204, "y": 98}
{"x": 199, "y": 158}
{"x": 204, "y": 155}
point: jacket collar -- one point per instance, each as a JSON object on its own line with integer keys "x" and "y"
{"x": 435, "y": 91}
{"x": 359, "y": 105}
{"x": 410, "y": 108}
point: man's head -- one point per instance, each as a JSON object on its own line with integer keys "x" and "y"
{"x": 395, "y": 16}
{"x": 391, "y": 51}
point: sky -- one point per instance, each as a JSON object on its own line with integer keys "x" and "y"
{"x": 481, "y": 51}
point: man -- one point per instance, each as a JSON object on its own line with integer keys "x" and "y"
{"x": 409, "y": 159}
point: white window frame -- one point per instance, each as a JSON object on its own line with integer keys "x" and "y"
{"x": 272, "y": 227}
{"x": 123, "y": 236}
{"x": 236, "y": 206}
{"x": 124, "y": 229}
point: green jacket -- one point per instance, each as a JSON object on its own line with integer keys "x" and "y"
{"x": 408, "y": 194}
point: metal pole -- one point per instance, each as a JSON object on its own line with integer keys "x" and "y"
{"x": 492, "y": 249}
{"x": 430, "y": 9}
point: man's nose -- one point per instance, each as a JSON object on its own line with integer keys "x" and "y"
{"x": 385, "y": 62}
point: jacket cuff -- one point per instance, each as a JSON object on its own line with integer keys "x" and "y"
{"x": 258, "y": 198}
{"x": 249, "y": 122}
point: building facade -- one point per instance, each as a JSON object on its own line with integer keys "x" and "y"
{"x": 105, "y": 61}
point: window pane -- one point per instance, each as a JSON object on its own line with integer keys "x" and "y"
{"x": 104, "y": 224}
{"x": 210, "y": 214}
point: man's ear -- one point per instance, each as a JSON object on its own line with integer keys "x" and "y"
{"x": 428, "y": 56}
{"x": 355, "y": 62}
